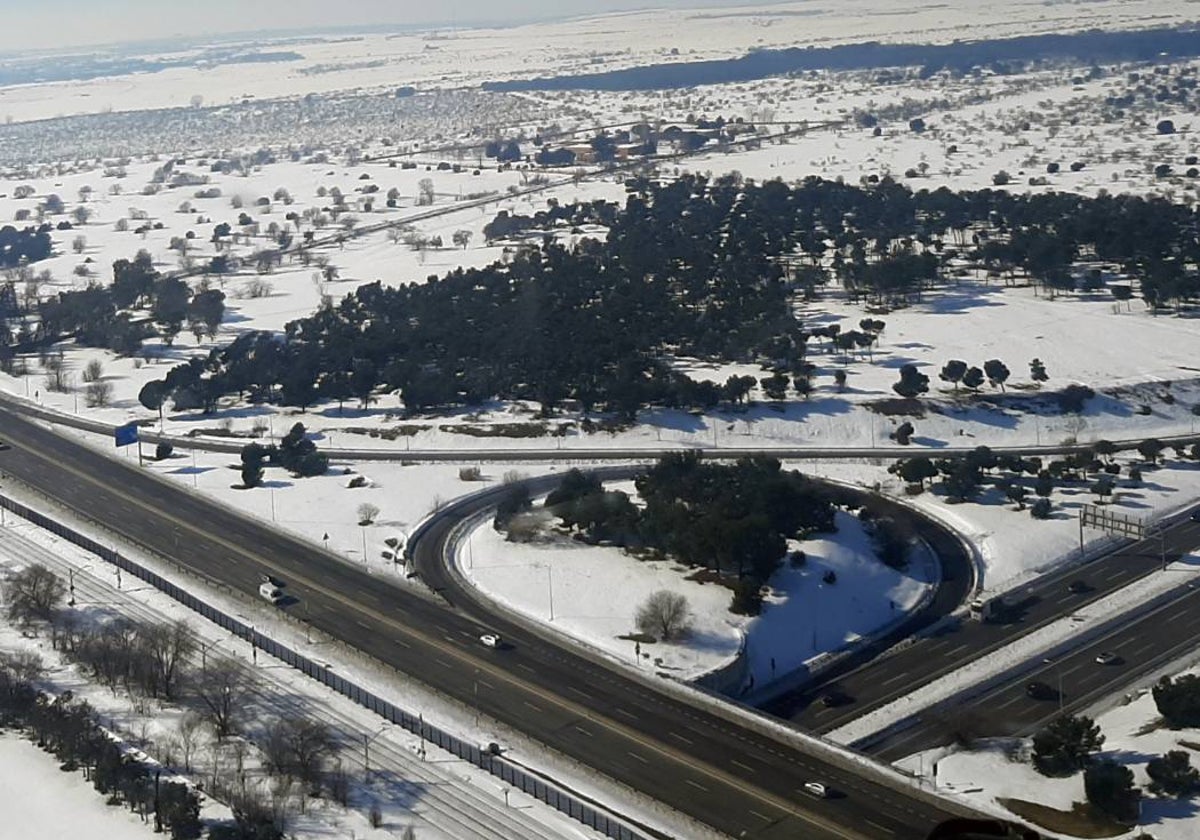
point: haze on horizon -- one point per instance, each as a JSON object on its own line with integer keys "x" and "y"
{"x": 54, "y": 24}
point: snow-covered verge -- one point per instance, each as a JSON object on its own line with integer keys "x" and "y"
{"x": 592, "y": 594}
{"x": 1000, "y": 769}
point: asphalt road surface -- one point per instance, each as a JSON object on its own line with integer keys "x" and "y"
{"x": 713, "y": 768}
{"x": 1072, "y": 682}
{"x": 1041, "y": 602}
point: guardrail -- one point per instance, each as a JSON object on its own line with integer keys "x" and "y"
{"x": 528, "y": 782}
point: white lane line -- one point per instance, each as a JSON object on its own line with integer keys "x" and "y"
{"x": 638, "y": 757}
{"x": 745, "y": 767}
{"x": 680, "y": 737}
{"x": 696, "y": 785}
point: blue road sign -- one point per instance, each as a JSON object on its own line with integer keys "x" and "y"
{"x": 127, "y": 434}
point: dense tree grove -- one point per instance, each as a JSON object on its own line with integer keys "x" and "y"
{"x": 140, "y": 303}
{"x": 734, "y": 519}
{"x": 692, "y": 266}
{"x": 19, "y": 247}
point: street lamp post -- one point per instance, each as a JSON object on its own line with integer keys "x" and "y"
{"x": 204, "y": 652}
{"x": 367, "y": 739}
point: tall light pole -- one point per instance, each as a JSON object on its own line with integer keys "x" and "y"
{"x": 550, "y": 588}
{"x": 204, "y": 651}
{"x": 367, "y": 739}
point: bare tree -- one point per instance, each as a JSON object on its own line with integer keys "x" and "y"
{"x": 98, "y": 394}
{"x": 93, "y": 371}
{"x": 168, "y": 645}
{"x": 189, "y": 737}
{"x": 276, "y": 749}
{"x": 33, "y": 593}
{"x": 310, "y": 743}
{"x": 367, "y": 513}
{"x": 425, "y": 192}
{"x": 665, "y": 614}
{"x": 79, "y": 244}
{"x": 222, "y": 689}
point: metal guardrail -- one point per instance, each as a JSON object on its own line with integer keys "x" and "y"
{"x": 529, "y": 783}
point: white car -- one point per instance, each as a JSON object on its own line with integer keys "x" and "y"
{"x": 816, "y": 789}
{"x": 1107, "y": 658}
{"x": 490, "y": 640}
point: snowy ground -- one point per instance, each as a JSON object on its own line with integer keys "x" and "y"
{"x": 30, "y": 776}
{"x": 596, "y": 591}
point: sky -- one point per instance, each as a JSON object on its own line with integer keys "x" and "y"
{"x": 49, "y": 24}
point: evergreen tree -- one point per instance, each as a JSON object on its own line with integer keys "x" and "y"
{"x": 1066, "y": 745}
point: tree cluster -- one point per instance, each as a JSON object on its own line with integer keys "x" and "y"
{"x": 71, "y": 730}
{"x": 27, "y": 245}
{"x": 295, "y": 452}
{"x": 140, "y": 303}
{"x": 692, "y": 266}
{"x": 733, "y": 519}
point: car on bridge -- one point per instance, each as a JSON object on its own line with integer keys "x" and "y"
{"x": 491, "y": 640}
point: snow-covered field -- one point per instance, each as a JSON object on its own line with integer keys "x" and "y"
{"x": 978, "y": 126}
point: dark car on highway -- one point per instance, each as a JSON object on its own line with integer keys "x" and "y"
{"x": 1039, "y": 690}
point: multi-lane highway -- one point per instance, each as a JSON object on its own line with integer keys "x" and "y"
{"x": 1046, "y": 599}
{"x": 730, "y": 776}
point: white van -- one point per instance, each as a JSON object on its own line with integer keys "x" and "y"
{"x": 270, "y": 592}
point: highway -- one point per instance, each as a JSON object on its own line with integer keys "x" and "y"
{"x": 1046, "y": 599}
{"x": 1076, "y": 680}
{"x": 712, "y": 767}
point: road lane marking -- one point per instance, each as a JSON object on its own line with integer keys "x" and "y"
{"x": 762, "y": 817}
{"x": 696, "y": 785}
{"x": 745, "y": 767}
{"x": 680, "y": 737}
